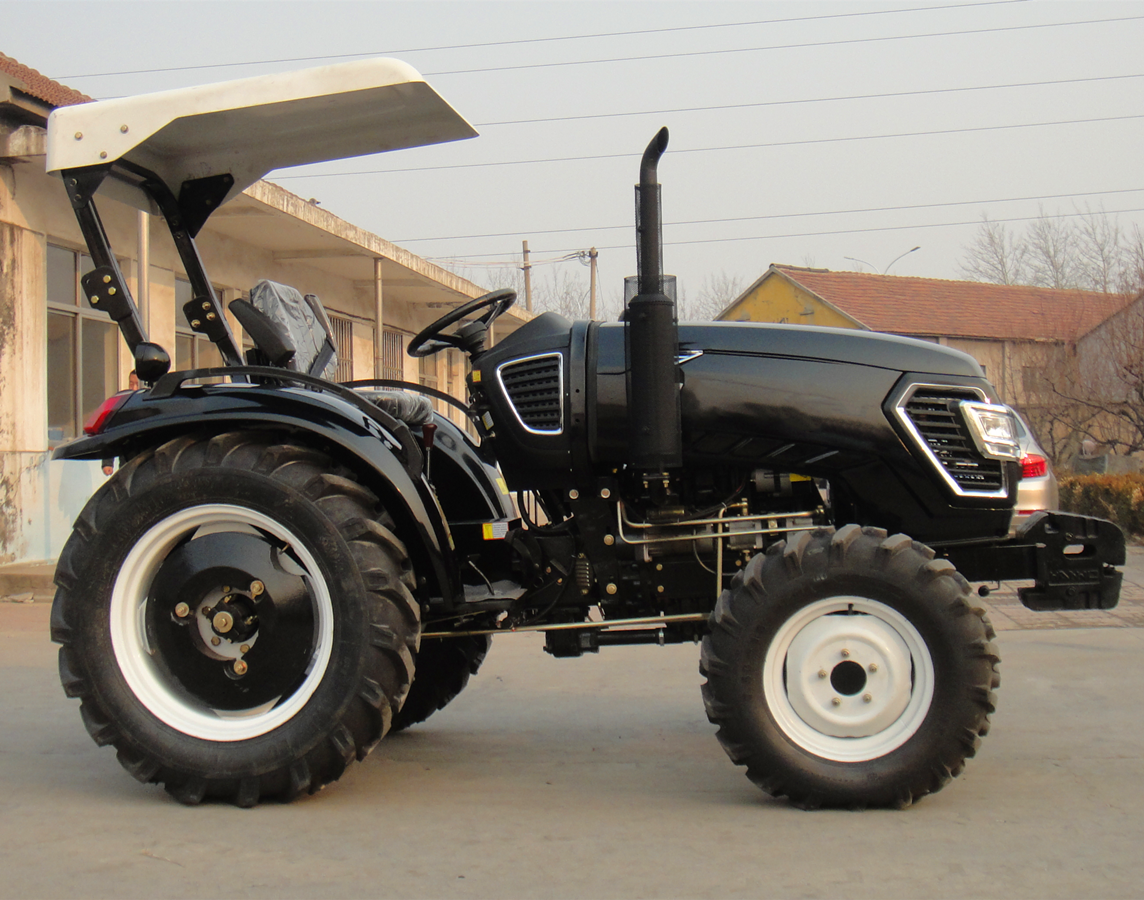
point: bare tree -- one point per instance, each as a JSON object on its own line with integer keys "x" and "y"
{"x": 499, "y": 277}
{"x": 1109, "y": 387}
{"x": 1092, "y": 388}
{"x": 996, "y": 256}
{"x": 1087, "y": 251}
{"x": 1046, "y": 397}
{"x": 1131, "y": 277}
{"x": 715, "y": 295}
{"x": 1052, "y": 253}
{"x": 1102, "y": 252}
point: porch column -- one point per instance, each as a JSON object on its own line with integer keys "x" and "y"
{"x": 379, "y": 318}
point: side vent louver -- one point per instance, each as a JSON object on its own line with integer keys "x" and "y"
{"x": 535, "y": 389}
{"x": 931, "y": 414}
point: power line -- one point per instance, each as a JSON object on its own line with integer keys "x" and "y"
{"x": 764, "y": 103}
{"x": 543, "y": 40}
{"x": 803, "y": 46}
{"x": 800, "y": 215}
{"x": 805, "y": 234}
{"x": 762, "y": 146}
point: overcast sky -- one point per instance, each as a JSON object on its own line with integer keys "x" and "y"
{"x": 801, "y": 133}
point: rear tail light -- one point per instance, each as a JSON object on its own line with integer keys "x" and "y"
{"x": 1034, "y": 466}
{"x": 97, "y": 421}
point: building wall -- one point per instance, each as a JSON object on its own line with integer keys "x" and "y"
{"x": 40, "y": 498}
{"x": 1010, "y": 365}
{"x": 777, "y": 300}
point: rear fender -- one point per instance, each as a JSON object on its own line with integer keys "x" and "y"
{"x": 380, "y": 449}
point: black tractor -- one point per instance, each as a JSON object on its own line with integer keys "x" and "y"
{"x": 284, "y": 569}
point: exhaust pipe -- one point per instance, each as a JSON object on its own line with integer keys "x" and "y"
{"x": 654, "y": 419}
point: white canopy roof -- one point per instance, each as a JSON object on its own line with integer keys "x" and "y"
{"x": 252, "y": 126}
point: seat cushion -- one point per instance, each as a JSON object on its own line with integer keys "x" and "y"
{"x": 410, "y": 408}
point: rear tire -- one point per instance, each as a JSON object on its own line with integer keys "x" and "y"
{"x": 236, "y": 620}
{"x": 444, "y": 666}
{"x": 849, "y": 669}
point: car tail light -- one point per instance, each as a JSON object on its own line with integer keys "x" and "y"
{"x": 1034, "y": 466}
{"x": 98, "y": 420}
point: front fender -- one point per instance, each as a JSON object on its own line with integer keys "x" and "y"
{"x": 378, "y": 448}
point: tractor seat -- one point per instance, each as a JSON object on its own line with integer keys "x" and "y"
{"x": 412, "y": 409}
{"x": 289, "y": 330}
{"x": 292, "y": 331}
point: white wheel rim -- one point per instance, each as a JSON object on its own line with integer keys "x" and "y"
{"x": 136, "y": 659}
{"x": 848, "y": 679}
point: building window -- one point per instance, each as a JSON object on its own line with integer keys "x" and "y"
{"x": 427, "y": 371}
{"x": 1035, "y": 381}
{"x": 392, "y": 361}
{"x": 344, "y": 344}
{"x": 427, "y": 375}
{"x": 83, "y": 347}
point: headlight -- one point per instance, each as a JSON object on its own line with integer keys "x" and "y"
{"x": 993, "y": 428}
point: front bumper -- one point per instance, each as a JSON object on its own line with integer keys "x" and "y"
{"x": 1071, "y": 560}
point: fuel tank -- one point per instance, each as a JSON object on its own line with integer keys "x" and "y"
{"x": 875, "y": 414}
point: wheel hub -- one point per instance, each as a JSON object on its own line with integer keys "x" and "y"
{"x": 232, "y": 619}
{"x": 848, "y": 675}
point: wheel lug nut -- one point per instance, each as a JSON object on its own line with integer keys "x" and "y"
{"x": 834, "y": 701}
{"x": 240, "y": 667}
{"x": 873, "y": 667}
{"x": 822, "y": 673}
{"x": 867, "y": 698}
{"x": 845, "y": 654}
{"x": 182, "y": 610}
{"x": 215, "y": 641}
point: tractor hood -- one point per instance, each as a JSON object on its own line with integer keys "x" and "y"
{"x": 823, "y": 402}
{"x": 833, "y": 345}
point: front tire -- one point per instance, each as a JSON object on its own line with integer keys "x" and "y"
{"x": 236, "y": 619}
{"x": 849, "y": 668}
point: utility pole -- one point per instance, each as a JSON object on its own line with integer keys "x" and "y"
{"x": 527, "y": 279}
{"x": 592, "y": 254}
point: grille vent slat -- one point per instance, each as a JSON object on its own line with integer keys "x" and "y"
{"x": 934, "y": 414}
{"x": 535, "y": 389}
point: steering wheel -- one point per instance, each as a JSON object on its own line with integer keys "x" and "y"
{"x": 469, "y": 337}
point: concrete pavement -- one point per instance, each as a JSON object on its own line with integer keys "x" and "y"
{"x": 596, "y": 777}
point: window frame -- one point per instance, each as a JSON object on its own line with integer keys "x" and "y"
{"x": 79, "y": 311}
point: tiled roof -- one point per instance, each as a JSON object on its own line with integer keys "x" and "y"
{"x": 969, "y": 309}
{"x": 40, "y": 86}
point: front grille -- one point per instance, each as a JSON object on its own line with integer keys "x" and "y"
{"x": 534, "y": 387}
{"x": 937, "y": 421}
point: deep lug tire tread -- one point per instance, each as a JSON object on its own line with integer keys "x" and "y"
{"x": 304, "y": 762}
{"x": 444, "y": 666}
{"x": 774, "y": 586}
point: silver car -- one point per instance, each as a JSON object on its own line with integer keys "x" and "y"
{"x": 1037, "y": 489}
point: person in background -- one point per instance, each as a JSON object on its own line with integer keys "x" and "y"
{"x": 132, "y": 385}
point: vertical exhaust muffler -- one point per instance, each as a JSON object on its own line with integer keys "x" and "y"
{"x": 652, "y": 335}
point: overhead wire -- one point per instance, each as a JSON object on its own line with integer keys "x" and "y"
{"x": 700, "y": 53}
{"x": 795, "y": 102}
{"x": 544, "y": 40}
{"x": 719, "y": 149}
{"x": 798, "y": 215}
{"x": 685, "y": 54}
{"x": 770, "y": 237}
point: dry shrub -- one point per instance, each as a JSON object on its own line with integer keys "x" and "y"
{"x": 1119, "y": 498}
